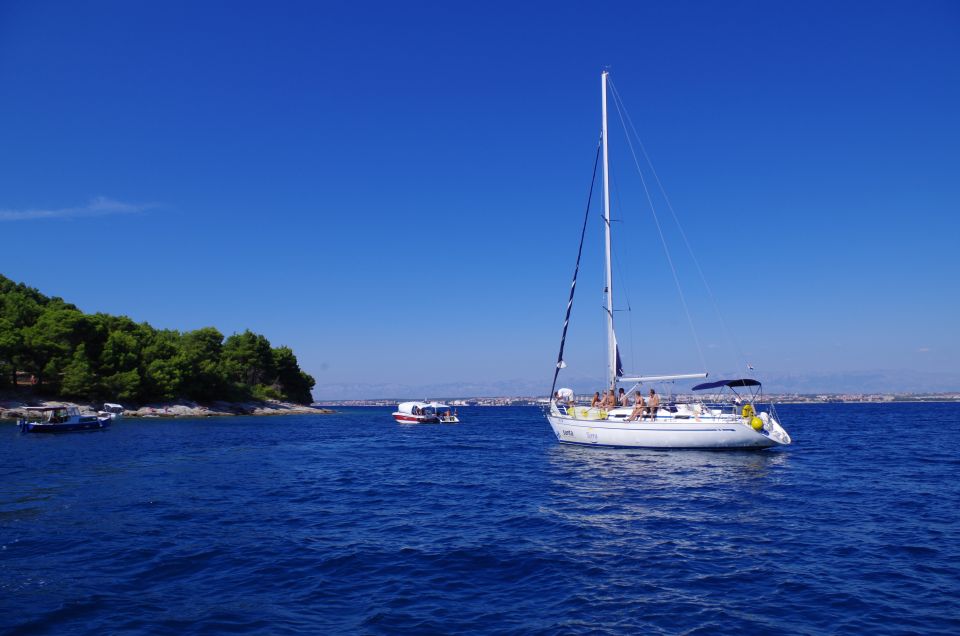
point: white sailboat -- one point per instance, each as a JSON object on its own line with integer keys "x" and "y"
{"x": 740, "y": 422}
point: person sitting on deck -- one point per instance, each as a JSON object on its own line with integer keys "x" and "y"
{"x": 653, "y": 404}
{"x": 638, "y": 408}
{"x": 611, "y": 399}
{"x": 623, "y": 399}
{"x": 596, "y": 400}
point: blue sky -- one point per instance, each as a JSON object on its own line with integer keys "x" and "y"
{"x": 395, "y": 189}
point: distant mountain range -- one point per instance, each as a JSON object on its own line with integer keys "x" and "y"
{"x": 864, "y": 382}
{"x": 359, "y": 391}
{"x": 884, "y": 381}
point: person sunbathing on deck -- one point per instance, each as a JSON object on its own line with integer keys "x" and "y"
{"x": 638, "y": 408}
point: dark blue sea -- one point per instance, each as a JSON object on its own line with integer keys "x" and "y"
{"x": 351, "y": 523}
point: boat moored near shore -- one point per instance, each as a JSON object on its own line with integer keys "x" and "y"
{"x": 60, "y": 419}
{"x": 114, "y": 411}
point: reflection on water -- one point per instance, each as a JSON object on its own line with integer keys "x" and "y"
{"x": 682, "y": 468}
{"x": 635, "y": 492}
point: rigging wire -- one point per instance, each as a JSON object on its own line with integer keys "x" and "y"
{"x": 576, "y": 270}
{"x": 728, "y": 334}
{"x": 618, "y": 103}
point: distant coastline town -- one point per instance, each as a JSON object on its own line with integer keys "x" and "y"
{"x": 792, "y": 398}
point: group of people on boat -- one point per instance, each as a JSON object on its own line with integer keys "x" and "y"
{"x": 642, "y": 409}
{"x": 416, "y": 410}
{"x": 609, "y": 400}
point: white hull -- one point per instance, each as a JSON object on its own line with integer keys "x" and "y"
{"x": 667, "y": 431}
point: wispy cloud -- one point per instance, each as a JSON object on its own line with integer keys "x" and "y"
{"x": 99, "y": 206}
{"x": 923, "y": 350}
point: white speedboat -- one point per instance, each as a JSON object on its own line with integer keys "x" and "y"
{"x": 114, "y": 411}
{"x": 425, "y": 413}
{"x": 740, "y": 422}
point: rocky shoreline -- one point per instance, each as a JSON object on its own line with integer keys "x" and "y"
{"x": 14, "y": 408}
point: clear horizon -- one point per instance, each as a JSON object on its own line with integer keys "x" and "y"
{"x": 396, "y": 191}
{"x": 880, "y": 382}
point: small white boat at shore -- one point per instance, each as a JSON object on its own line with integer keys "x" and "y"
{"x": 114, "y": 411}
{"x": 425, "y": 413}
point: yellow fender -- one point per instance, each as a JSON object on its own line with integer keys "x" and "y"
{"x": 748, "y": 410}
{"x": 756, "y": 423}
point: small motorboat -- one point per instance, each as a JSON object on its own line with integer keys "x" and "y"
{"x": 115, "y": 411}
{"x": 60, "y": 419}
{"x": 425, "y": 413}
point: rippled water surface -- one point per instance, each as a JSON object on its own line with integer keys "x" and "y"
{"x": 351, "y": 523}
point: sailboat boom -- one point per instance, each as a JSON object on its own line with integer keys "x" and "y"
{"x": 663, "y": 378}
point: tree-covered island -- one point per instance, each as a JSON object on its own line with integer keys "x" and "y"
{"x": 62, "y": 353}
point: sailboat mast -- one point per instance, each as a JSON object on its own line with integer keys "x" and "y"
{"x": 611, "y": 336}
